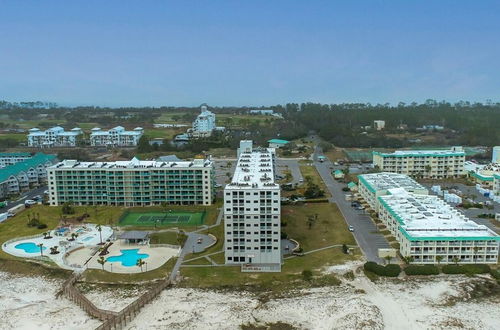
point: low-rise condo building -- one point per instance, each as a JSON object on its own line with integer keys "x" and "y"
{"x": 436, "y": 164}
{"x": 11, "y": 158}
{"x": 23, "y": 175}
{"x": 252, "y": 212}
{"x": 132, "y": 183}
{"x": 115, "y": 137}
{"x": 431, "y": 231}
{"x": 485, "y": 174}
{"x": 371, "y": 186}
{"x": 54, "y": 137}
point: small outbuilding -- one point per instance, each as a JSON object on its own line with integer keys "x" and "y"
{"x": 338, "y": 174}
{"x": 135, "y": 237}
{"x": 277, "y": 143}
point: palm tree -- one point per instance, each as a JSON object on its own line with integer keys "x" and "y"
{"x": 388, "y": 259}
{"x": 439, "y": 259}
{"x": 476, "y": 249}
{"x": 45, "y": 235}
{"x": 41, "y": 249}
{"x": 455, "y": 260}
{"x": 53, "y": 250}
{"x": 408, "y": 259}
{"x": 99, "y": 229}
{"x": 140, "y": 263}
{"x": 102, "y": 261}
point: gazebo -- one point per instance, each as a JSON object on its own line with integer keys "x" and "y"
{"x": 135, "y": 237}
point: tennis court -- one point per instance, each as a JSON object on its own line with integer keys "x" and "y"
{"x": 158, "y": 218}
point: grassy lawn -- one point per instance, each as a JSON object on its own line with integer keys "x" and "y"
{"x": 168, "y": 237}
{"x": 164, "y": 133}
{"x": 22, "y": 267}
{"x": 15, "y": 136}
{"x": 289, "y": 278}
{"x": 335, "y": 154}
{"x": 200, "y": 261}
{"x": 218, "y": 258}
{"x": 101, "y": 276}
{"x": 329, "y": 229}
{"x": 310, "y": 171}
{"x": 166, "y": 117}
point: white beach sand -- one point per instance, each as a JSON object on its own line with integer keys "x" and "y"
{"x": 437, "y": 303}
{"x": 29, "y": 303}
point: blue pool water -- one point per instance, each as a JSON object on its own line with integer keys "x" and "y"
{"x": 29, "y": 247}
{"x": 129, "y": 257}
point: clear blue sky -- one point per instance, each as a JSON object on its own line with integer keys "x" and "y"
{"x": 248, "y": 52}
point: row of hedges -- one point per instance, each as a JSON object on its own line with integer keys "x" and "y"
{"x": 388, "y": 270}
{"x": 394, "y": 270}
{"x": 422, "y": 270}
{"x": 466, "y": 269}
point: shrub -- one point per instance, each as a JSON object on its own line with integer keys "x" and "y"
{"x": 389, "y": 270}
{"x": 345, "y": 249}
{"x": 307, "y": 275}
{"x": 422, "y": 270}
{"x": 392, "y": 270}
{"x": 495, "y": 274}
{"x": 466, "y": 269}
{"x": 41, "y": 226}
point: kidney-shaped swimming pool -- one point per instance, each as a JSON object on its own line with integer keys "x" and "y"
{"x": 129, "y": 257}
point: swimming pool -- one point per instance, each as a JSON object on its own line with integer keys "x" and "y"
{"x": 129, "y": 257}
{"x": 29, "y": 247}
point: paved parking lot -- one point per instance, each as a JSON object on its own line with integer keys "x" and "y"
{"x": 292, "y": 165}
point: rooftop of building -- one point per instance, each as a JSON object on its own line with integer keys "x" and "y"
{"x": 427, "y": 217}
{"x": 455, "y": 151}
{"x": 387, "y": 180}
{"x": 25, "y": 165}
{"x": 278, "y": 141}
{"x": 133, "y": 163}
{"x": 254, "y": 170}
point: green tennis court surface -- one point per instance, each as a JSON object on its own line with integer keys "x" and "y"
{"x": 158, "y": 219}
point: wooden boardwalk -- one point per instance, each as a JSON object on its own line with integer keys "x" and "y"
{"x": 111, "y": 319}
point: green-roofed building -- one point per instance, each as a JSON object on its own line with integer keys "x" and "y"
{"x": 11, "y": 158}
{"x": 20, "y": 176}
{"x": 277, "y": 143}
{"x": 352, "y": 186}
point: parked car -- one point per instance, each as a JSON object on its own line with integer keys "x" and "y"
{"x": 46, "y": 192}
{"x": 29, "y": 202}
{"x": 351, "y": 228}
{"x": 37, "y": 198}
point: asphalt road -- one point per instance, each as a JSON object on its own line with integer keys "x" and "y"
{"x": 28, "y": 195}
{"x": 365, "y": 230}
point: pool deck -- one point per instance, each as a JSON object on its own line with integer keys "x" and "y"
{"x": 157, "y": 257}
{"x": 88, "y": 236}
